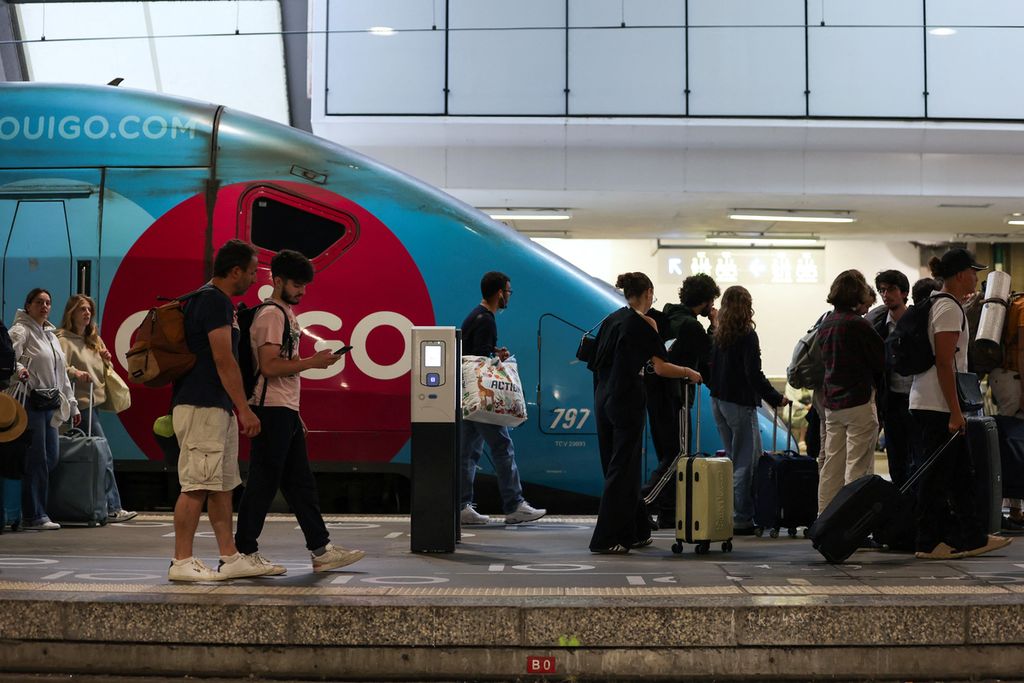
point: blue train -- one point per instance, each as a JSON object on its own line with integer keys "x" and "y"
{"x": 125, "y": 195}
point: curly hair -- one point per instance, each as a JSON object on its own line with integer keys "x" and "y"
{"x": 698, "y": 289}
{"x": 736, "y": 317}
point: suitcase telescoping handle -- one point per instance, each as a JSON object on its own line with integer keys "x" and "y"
{"x": 789, "y": 428}
{"x": 928, "y": 463}
{"x": 684, "y": 443}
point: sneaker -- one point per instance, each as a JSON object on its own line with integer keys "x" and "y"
{"x": 271, "y": 568}
{"x": 469, "y": 516}
{"x": 42, "y": 525}
{"x": 335, "y": 557}
{"x": 239, "y": 566}
{"x": 191, "y": 569}
{"x": 994, "y": 543}
{"x": 121, "y": 516}
{"x": 524, "y": 513}
{"x": 617, "y": 549}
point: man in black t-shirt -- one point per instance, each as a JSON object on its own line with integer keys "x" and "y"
{"x": 480, "y": 338}
{"x": 202, "y": 402}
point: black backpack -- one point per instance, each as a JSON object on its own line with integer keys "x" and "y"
{"x": 246, "y": 362}
{"x": 908, "y": 349}
{"x": 7, "y": 359}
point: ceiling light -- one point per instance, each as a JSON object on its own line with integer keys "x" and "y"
{"x": 943, "y": 31}
{"x": 792, "y": 216}
{"x": 382, "y": 31}
{"x": 528, "y": 214}
{"x": 1015, "y": 219}
{"x": 808, "y": 241}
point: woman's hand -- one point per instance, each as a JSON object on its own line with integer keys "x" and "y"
{"x": 76, "y": 420}
{"x": 957, "y": 423}
{"x": 105, "y": 355}
{"x": 83, "y": 376}
{"x": 785, "y": 402}
{"x": 694, "y": 377}
{"x": 23, "y": 374}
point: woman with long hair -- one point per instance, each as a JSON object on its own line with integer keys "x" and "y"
{"x": 737, "y": 386}
{"x": 627, "y": 341}
{"x": 854, "y": 358}
{"x": 88, "y": 360}
{"x": 43, "y": 368}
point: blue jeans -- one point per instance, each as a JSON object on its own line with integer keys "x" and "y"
{"x": 43, "y": 454}
{"x": 738, "y": 428}
{"x": 113, "y": 495}
{"x": 503, "y": 457}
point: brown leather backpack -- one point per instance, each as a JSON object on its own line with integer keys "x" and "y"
{"x": 159, "y": 354}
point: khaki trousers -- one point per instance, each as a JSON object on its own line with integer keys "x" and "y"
{"x": 851, "y": 435}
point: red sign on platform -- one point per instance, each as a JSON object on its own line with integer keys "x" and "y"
{"x": 540, "y": 665}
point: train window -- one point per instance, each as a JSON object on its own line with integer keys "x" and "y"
{"x": 277, "y": 220}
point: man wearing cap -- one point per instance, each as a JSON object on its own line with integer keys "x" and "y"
{"x": 948, "y": 524}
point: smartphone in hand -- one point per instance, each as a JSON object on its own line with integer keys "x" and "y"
{"x": 343, "y": 350}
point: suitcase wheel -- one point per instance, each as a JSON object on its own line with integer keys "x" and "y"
{"x": 792, "y": 532}
{"x": 677, "y": 548}
{"x": 16, "y": 526}
{"x": 807, "y": 532}
{"x": 774, "y": 533}
{"x": 759, "y": 531}
{"x": 727, "y": 547}
{"x": 703, "y": 547}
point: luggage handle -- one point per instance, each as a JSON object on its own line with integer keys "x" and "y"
{"x": 775, "y": 428}
{"x": 87, "y": 432}
{"x": 684, "y": 443}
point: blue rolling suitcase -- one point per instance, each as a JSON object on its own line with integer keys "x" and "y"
{"x": 785, "y": 490}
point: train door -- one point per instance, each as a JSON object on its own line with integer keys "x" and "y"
{"x": 49, "y": 229}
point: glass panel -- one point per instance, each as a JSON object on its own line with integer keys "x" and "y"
{"x": 627, "y": 71}
{"x": 865, "y": 13}
{"x": 747, "y": 71}
{"x": 507, "y": 72}
{"x": 587, "y": 13}
{"x": 746, "y": 13}
{"x": 505, "y": 14}
{"x": 866, "y": 72}
{"x": 971, "y": 74}
{"x": 277, "y": 226}
{"x": 987, "y": 13}
{"x": 411, "y": 64}
{"x": 361, "y": 15}
{"x": 249, "y": 73}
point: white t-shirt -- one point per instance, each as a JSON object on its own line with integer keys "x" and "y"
{"x": 268, "y": 328}
{"x": 946, "y": 316}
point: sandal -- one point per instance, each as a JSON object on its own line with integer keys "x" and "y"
{"x": 617, "y": 549}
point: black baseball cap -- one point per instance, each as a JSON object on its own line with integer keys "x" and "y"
{"x": 956, "y": 261}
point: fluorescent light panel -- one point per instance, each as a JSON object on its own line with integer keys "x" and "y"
{"x": 528, "y": 214}
{"x": 793, "y": 216}
{"x": 764, "y": 241}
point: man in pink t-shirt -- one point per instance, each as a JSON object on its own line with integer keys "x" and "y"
{"x": 277, "y": 457}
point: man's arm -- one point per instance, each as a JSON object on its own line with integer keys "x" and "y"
{"x": 231, "y": 378}
{"x": 945, "y": 348}
{"x": 273, "y": 365}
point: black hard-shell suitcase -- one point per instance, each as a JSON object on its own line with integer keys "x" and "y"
{"x": 78, "y": 485}
{"x": 860, "y": 508}
{"x": 983, "y": 446}
{"x": 785, "y": 490}
{"x": 1011, "y": 452}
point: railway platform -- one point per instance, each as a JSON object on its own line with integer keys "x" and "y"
{"x": 526, "y": 602}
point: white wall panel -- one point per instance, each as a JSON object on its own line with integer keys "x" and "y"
{"x": 862, "y": 173}
{"x": 587, "y": 13}
{"x": 866, "y": 71}
{"x": 397, "y": 74}
{"x": 360, "y": 15}
{"x": 747, "y": 71}
{"x": 465, "y": 14}
{"x": 746, "y": 12}
{"x": 627, "y": 71}
{"x": 976, "y": 73}
{"x": 642, "y": 170}
{"x": 507, "y": 72}
{"x": 865, "y": 13}
{"x": 520, "y": 168}
{"x": 977, "y": 13}
{"x": 743, "y": 171}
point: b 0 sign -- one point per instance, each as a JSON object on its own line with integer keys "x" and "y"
{"x": 540, "y": 665}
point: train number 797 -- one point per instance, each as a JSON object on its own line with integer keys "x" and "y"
{"x": 568, "y": 418}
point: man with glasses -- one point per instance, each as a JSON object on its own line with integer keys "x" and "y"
{"x": 894, "y": 399}
{"x": 480, "y": 338}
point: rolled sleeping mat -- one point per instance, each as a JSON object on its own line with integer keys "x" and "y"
{"x": 987, "y": 347}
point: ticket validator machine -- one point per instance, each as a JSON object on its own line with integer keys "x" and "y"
{"x": 436, "y": 424}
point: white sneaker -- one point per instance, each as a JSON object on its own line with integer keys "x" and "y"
{"x": 121, "y": 516}
{"x": 42, "y": 525}
{"x": 469, "y": 516}
{"x": 271, "y": 568}
{"x": 239, "y": 566}
{"x": 191, "y": 569}
{"x": 524, "y": 513}
{"x": 335, "y": 557}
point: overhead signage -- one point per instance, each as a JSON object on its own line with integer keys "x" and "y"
{"x": 744, "y": 266}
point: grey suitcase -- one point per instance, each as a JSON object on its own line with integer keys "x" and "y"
{"x": 78, "y": 485}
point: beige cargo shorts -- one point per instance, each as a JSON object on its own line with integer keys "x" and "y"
{"x": 208, "y": 438}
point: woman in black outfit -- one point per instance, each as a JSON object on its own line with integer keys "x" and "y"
{"x": 627, "y": 341}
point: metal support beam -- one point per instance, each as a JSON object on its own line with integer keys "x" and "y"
{"x": 294, "y": 24}
{"x": 12, "y": 55}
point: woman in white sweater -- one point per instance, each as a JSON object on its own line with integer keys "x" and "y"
{"x": 87, "y": 359}
{"x": 51, "y": 401}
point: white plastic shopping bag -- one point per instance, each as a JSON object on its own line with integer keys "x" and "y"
{"x": 492, "y": 392}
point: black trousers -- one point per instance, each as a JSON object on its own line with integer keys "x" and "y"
{"x": 896, "y": 422}
{"x": 670, "y": 446}
{"x": 622, "y": 515}
{"x": 946, "y": 512}
{"x": 277, "y": 459}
